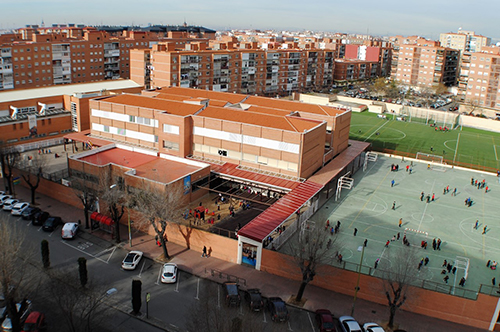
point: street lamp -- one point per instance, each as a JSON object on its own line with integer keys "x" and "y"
{"x": 357, "y": 284}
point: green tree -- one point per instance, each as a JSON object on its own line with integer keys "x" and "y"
{"x": 45, "y": 254}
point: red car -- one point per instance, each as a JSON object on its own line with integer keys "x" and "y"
{"x": 325, "y": 320}
{"x": 35, "y": 322}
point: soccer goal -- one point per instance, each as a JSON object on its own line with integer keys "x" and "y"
{"x": 462, "y": 265}
{"x": 369, "y": 156}
{"x": 344, "y": 182}
{"x": 435, "y": 162}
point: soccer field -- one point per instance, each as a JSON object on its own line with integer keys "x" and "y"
{"x": 466, "y": 147}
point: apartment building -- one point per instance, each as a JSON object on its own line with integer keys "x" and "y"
{"x": 376, "y": 52}
{"x": 355, "y": 70}
{"x": 479, "y": 78}
{"x": 464, "y": 41}
{"x": 282, "y": 137}
{"x": 425, "y": 63}
{"x": 38, "y": 57}
{"x": 235, "y": 67}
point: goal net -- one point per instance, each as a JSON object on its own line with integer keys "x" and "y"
{"x": 435, "y": 162}
{"x": 430, "y": 117}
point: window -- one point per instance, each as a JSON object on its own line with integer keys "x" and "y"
{"x": 170, "y": 145}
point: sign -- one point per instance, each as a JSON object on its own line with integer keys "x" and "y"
{"x": 33, "y": 131}
{"x": 148, "y": 297}
{"x": 16, "y": 180}
{"x": 187, "y": 184}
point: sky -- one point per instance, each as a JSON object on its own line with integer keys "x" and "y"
{"x": 427, "y": 18}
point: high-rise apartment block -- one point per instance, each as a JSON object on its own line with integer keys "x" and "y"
{"x": 464, "y": 41}
{"x": 425, "y": 63}
{"x": 37, "y": 57}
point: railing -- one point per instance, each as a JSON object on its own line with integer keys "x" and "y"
{"x": 38, "y": 145}
{"x": 228, "y": 277}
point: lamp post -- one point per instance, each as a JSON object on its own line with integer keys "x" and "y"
{"x": 357, "y": 283}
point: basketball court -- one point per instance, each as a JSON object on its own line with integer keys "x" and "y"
{"x": 367, "y": 206}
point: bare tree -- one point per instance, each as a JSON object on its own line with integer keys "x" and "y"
{"x": 440, "y": 89}
{"x": 314, "y": 248}
{"x": 379, "y": 86}
{"x": 399, "y": 269}
{"x": 114, "y": 198}
{"x": 9, "y": 158}
{"x": 159, "y": 205}
{"x": 34, "y": 172}
{"x": 79, "y": 309}
{"x": 87, "y": 193}
{"x": 14, "y": 274}
{"x": 472, "y": 105}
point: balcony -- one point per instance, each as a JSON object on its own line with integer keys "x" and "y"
{"x": 111, "y": 53}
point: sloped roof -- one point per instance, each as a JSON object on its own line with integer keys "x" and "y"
{"x": 233, "y": 98}
{"x": 293, "y": 106}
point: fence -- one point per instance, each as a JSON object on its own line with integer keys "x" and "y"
{"x": 228, "y": 277}
{"x": 39, "y": 144}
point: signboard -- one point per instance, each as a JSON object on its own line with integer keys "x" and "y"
{"x": 187, "y": 184}
{"x": 16, "y": 180}
{"x": 32, "y": 125}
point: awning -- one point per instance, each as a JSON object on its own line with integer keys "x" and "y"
{"x": 101, "y": 218}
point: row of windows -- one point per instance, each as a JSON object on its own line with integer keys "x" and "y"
{"x": 281, "y": 164}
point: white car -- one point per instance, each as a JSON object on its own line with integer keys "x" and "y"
{"x": 169, "y": 273}
{"x": 8, "y": 204}
{"x": 3, "y": 198}
{"x": 132, "y": 259}
{"x": 24, "y": 310}
{"x": 18, "y": 208}
{"x": 372, "y": 327}
{"x": 349, "y": 324}
{"x": 69, "y": 230}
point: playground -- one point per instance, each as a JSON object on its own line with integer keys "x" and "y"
{"x": 368, "y": 208}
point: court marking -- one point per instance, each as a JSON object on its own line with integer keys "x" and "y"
{"x": 395, "y": 138}
{"x": 376, "y": 130}
{"x": 425, "y": 209}
{"x": 446, "y": 146}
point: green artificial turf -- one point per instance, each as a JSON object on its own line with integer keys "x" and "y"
{"x": 476, "y": 148}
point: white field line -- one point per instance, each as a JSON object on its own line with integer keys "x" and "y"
{"x": 456, "y": 148}
{"x": 376, "y": 130}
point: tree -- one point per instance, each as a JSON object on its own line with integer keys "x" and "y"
{"x": 314, "y": 248}
{"x": 45, "y": 254}
{"x": 399, "y": 270}
{"x": 34, "y": 173}
{"x": 440, "y": 89}
{"x": 9, "y": 158}
{"x": 113, "y": 195}
{"x": 472, "y": 104}
{"x": 136, "y": 296}
{"x": 379, "y": 86}
{"x": 82, "y": 271}
{"x": 88, "y": 196}
{"x": 158, "y": 206}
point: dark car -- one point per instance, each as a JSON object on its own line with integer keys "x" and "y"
{"x": 39, "y": 218}
{"x": 324, "y": 318}
{"x": 30, "y": 212}
{"x": 51, "y": 224}
{"x": 254, "y": 299}
{"x": 232, "y": 293}
{"x": 277, "y": 308}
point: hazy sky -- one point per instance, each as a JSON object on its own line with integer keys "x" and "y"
{"x": 426, "y": 18}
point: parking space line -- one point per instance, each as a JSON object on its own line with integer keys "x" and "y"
{"x": 178, "y": 281}
{"x": 289, "y": 326}
{"x": 86, "y": 253}
{"x": 264, "y": 313}
{"x": 159, "y": 276}
{"x": 310, "y": 321}
{"x": 29, "y": 223}
{"x": 198, "y": 289}
{"x": 218, "y": 297}
{"x": 140, "y": 272}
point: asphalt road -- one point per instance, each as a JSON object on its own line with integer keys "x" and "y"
{"x": 171, "y": 306}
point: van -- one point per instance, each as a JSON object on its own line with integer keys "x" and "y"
{"x": 232, "y": 294}
{"x": 69, "y": 230}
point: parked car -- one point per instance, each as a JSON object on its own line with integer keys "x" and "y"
{"x": 349, "y": 324}
{"x": 132, "y": 259}
{"x": 24, "y": 310}
{"x": 35, "y": 322}
{"x": 9, "y": 203}
{"x": 231, "y": 293}
{"x": 30, "y": 212}
{"x": 254, "y": 299}
{"x": 277, "y": 309}
{"x": 169, "y": 273}
{"x": 51, "y": 224}
{"x": 372, "y": 327}
{"x": 39, "y": 218}
{"x": 324, "y": 318}
{"x": 3, "y": 198}
{"x": 18, "y": 208}
{"x": 69, "y": 230}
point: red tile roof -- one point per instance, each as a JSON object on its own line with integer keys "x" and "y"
{"x": 233, "y": 98}
{"x": 120, "y": 157}
{"x": 292, "y": 106}
{"x": 265, "y": 223}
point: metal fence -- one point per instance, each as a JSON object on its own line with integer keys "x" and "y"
{"x": 39, "y": 144}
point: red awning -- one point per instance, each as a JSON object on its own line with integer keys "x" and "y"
{"x": 265, "y": 223}
{"x": 101, "y": 218}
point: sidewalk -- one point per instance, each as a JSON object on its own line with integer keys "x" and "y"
{"x": 270, "y": 285}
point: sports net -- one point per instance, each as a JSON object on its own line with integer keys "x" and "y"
{"x": 429, "y": 157}
{"x": 425, "y": 116}
{"x": 462, "y": 263}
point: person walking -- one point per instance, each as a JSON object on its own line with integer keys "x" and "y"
{"x": 420, "y": 264}
{"x": 392, "y": 183}
{"x": 407, "y": 167}
{"x": 376, "y": 263}
{"x": 398, "y": 235}
{"x": 422, "y": 195}
{"x": 477, "y": 224}
{"x": 446, "y": 279}
{"x": 493, "y": 281}
{"x": 204, "y": 254}
{"x": 434, "y": 244}
{"x": 394, "y": 205}
{"x": 387, "y": 243}
{"x": 454, "y": 270}
{"x": 365, "y": 243}
{"x": 485, "y": 229}
{"x": 445, "y": 263}
{"x": 426, "y": 260}
{"x": 439, "y": 244}
{"x": 433, "y": 196}
{"x": 355, "y": 231}
{"x": 400, "y": 221}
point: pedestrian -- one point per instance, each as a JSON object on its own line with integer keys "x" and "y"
{"x": 332, "y": 231}
{"x": 493, "y": 281}
{"x": 394, "y": 205}
{"x": 454, "y": 192}
{"x": 428, "y": 198}
{"x": 475, "y": 183}
{"x": 433, "y": 197}
{"x": 439, "y": 244}
{"x": 444, "y": 191}
{"x": 398, "y": 236}
{"x": 392, "y": 183}
{"x": 422, "y": 196}
{"x": 447, "y": 189}
{"x": 204, "y": 254}
{"x": 454, "y": 270}
{"x": 486, "y": 190}
{"x": 420, "y": 264}
{"x": 448, "y": 267}
{"x": 407, "y": 167}
{"x": 434, "y": 244}
{"x": 446, "y": 279}
{"x": 425, "y": 245}
{"x": 404, "y": 239}
{"x": 376, "y": 263}
{"x": 426, "y": 260}
{"x": 462, "y": 282}
{"x": 476, "y": 225}
{"x": 472, "y": 181}
{"x": 157, "y": 241}
{"x": 400, "y": 221}
{"x": 488, "y": 263}
{"x": 387, "y": 243}
{"x": 485, "y": 229}
{"x": 338, "y": 223}
{"x": 445, "y": 263}
{"x": 411, "y": 169}
{"x": 365, "y": 243}
{"x": 337, "y": 229}
{"x": 355, "y": 231}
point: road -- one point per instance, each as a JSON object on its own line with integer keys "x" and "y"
{"x": 171, "y": 306}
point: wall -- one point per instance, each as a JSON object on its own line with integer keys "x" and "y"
{"x": 480, "y": 123}
{"x": 452, "y": 308}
